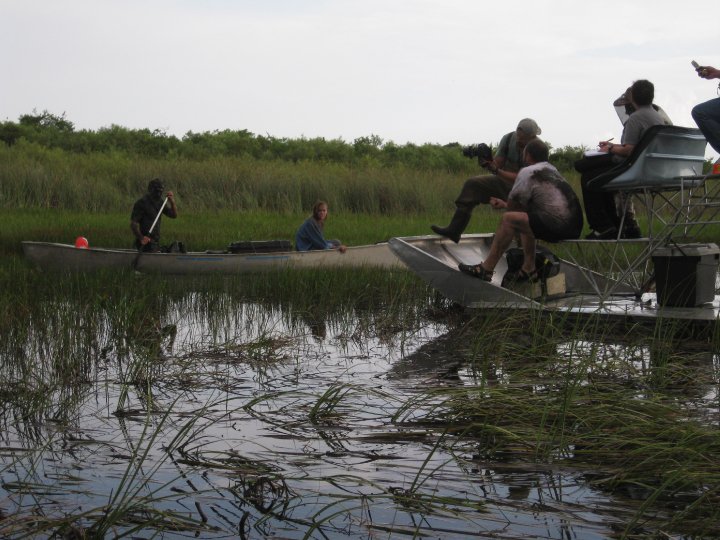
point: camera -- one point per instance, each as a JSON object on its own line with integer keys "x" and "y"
{"x": 482, "y": 151}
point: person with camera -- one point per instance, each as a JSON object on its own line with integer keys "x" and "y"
{"x": 600, "y": 208}
{"x": 504, "y": 168}
{"x": 541, "y": 205}
{"x": 707, "y": 115}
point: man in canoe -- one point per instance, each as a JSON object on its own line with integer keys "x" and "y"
{"x": 146, "y": 211}
{"x": 541, "y": 205}
{"x": 503, "y": 169}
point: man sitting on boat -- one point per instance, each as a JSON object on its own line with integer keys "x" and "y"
{"x": 541, "y": 205}
{"x": 146, "y": 211}
{"x": 600, "y": 207}
{"x": 310, "y": 235}
{"x": 503, "y": 167}
{"x": 624, "y": 204}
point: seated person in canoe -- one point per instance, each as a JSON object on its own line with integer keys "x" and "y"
{"x": 310, "y": 235}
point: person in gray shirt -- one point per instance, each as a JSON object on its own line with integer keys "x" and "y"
{"x": 599, "y": 205}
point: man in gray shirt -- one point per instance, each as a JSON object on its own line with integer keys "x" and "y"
{"x": 600, "y": 205}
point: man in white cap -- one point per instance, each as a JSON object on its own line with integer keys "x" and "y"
{"x": 503, "y": 167}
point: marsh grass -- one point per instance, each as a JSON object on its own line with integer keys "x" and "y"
{"x": 628, "y": 409}
{"x": 37, "y": 177}
{"x": 633, "y": 428}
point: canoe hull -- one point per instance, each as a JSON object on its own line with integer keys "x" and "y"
{"x": 66, "y": 258}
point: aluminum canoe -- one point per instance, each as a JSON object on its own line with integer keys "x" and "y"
{"x": 65, "y": 257}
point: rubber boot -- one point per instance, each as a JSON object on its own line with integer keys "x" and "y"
{"x": 457, "y": 225}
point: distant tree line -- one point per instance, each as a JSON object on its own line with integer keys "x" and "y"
{"x": 56, "y": 131}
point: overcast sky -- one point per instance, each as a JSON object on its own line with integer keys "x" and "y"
{"x": 420, "y": 71}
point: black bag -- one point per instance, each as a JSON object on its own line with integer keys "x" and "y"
{"x": 547, "y": 263}
{"x": 260, "y": 246}
{"x": 175, "y": 247}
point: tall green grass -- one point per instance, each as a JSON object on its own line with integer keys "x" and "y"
{"x": 32, "y": 176}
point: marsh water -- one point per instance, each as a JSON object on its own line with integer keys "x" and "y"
{"x": 219, "y": 415}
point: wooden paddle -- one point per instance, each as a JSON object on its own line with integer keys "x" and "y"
{"x": 140, "y": 251}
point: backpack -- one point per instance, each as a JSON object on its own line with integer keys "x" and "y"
{"x": 546, "y": 262}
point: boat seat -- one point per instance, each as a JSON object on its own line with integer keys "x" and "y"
{"x": 666, "y": 158}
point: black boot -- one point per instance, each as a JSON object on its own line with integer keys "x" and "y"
{"x": 457, "y": 225}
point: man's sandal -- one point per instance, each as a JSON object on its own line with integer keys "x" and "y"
{"x": 477, "y": 271}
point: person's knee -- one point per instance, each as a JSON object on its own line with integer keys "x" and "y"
{"x": 697, "y": 113}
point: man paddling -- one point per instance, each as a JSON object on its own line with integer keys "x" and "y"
{"x": 144, "y": 213}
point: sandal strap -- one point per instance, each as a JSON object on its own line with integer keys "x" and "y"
{"x": 477, "y": 271}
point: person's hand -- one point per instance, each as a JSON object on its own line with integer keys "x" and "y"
{"x": 604, "y": 146}
{"x": 144, "y": 241}
{"x": 170, "y": 196}
{"x": 497, "y": 203}
{"x": 342, "y": 248}
{"x": 490, "y": 166}
{"x": 708, "y": 72}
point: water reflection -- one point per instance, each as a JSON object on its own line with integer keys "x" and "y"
{"x": 257, "y": 419}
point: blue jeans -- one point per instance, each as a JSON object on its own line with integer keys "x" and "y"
{"x": 707, "y": 117}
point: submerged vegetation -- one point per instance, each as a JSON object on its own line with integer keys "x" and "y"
{"x": 314, "y": 404}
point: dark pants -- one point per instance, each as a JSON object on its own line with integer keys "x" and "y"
{"x": 479, "y": 189}
{"x": 600, "y": 208}
{"x": 707, "y": 117}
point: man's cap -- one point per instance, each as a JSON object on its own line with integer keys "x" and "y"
{"x": 529, "y": 126}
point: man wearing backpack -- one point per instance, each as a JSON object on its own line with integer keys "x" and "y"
{"x": 503, "y": 167}
{"x": 541, "y": 205}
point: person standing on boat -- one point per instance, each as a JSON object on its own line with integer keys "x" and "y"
{"x": 504, "y": 169}
{"x": 600, "y": 208}
{"x": 707, "y": 115}
{"x": 310, "y": 235}
{"x": 144, "y": 212}
{"x": 541, "y": 205}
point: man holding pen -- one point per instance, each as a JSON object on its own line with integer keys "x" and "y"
{"x": 600, "y": 205}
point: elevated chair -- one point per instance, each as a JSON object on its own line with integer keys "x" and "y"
{"x": 664, "y": 175}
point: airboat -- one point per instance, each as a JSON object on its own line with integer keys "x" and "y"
{"x": 669, "y": 273}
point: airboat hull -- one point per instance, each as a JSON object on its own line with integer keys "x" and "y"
{"x": 574, "y": 289}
